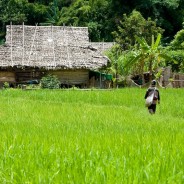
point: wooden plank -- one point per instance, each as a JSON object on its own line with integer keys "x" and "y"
{"x": 7, "y": 76}
{"x": 72, "y": 77}
{"x": 27, "y": 75}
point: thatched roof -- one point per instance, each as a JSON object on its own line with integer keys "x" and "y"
{"x": 50, "y": 47}
{"x": 102, "y": 46}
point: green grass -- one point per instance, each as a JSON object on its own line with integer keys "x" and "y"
{"x": 70, "y": 136}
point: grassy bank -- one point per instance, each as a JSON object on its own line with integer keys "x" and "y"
{"x": 55, "y": 136}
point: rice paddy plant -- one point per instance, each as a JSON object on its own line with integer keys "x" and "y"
{"x": 74, "y": 136}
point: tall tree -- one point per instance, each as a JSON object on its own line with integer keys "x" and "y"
{"x": 54, "y": 14}
{"x": 14, "y": 10}
{"x": 135, "y": 25}
{"x": 37, "y": 13}
{"x": 168, "y": 14}
{"x": 93, "y": 14}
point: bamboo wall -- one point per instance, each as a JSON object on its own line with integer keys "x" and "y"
{"x": 6, "y": 76}
{"x": 178, "y": 80}
{"x": 170, "y": 79}
{"x": 26, "y": 76}
{"x": 72, "y": 77}
{"x": 67, "y": 78}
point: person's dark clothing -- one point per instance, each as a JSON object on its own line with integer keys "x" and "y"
{"x": 152, "y": 108}
{"x": 151, "y": 90}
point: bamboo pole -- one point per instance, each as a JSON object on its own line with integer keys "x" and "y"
{"x": 68, "y": 55}
{"x": 23, "y": 43}
{"x": 53, "y": 45}
{"x": 11, "y": 43}
{"x": 63, "y": 44}
{"x": 32, "y": 45}
{"x": 83, "y": 61}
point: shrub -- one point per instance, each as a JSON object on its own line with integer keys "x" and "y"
{"x": 6, "y": 85}
{"x": 50, "y": 82}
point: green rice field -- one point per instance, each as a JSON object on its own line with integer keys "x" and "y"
{"x": 91, "y": 137}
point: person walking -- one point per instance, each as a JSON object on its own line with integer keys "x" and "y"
{"x": 156, "y": 98}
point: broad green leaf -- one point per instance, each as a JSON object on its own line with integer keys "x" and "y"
{"x": 132, "y": 61}
{"x": 155, "y": 46}
{"x": 142, "y": 42}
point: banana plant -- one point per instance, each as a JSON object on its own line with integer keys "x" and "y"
{"x": 148, "y": 58}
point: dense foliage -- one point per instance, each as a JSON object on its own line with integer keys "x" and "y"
{"x": 135, "y": 25}
{"x": 101, "y": 16}
{"x": 175, "y": 51}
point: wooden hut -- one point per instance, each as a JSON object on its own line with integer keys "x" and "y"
{"x": 31, "y": 52}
